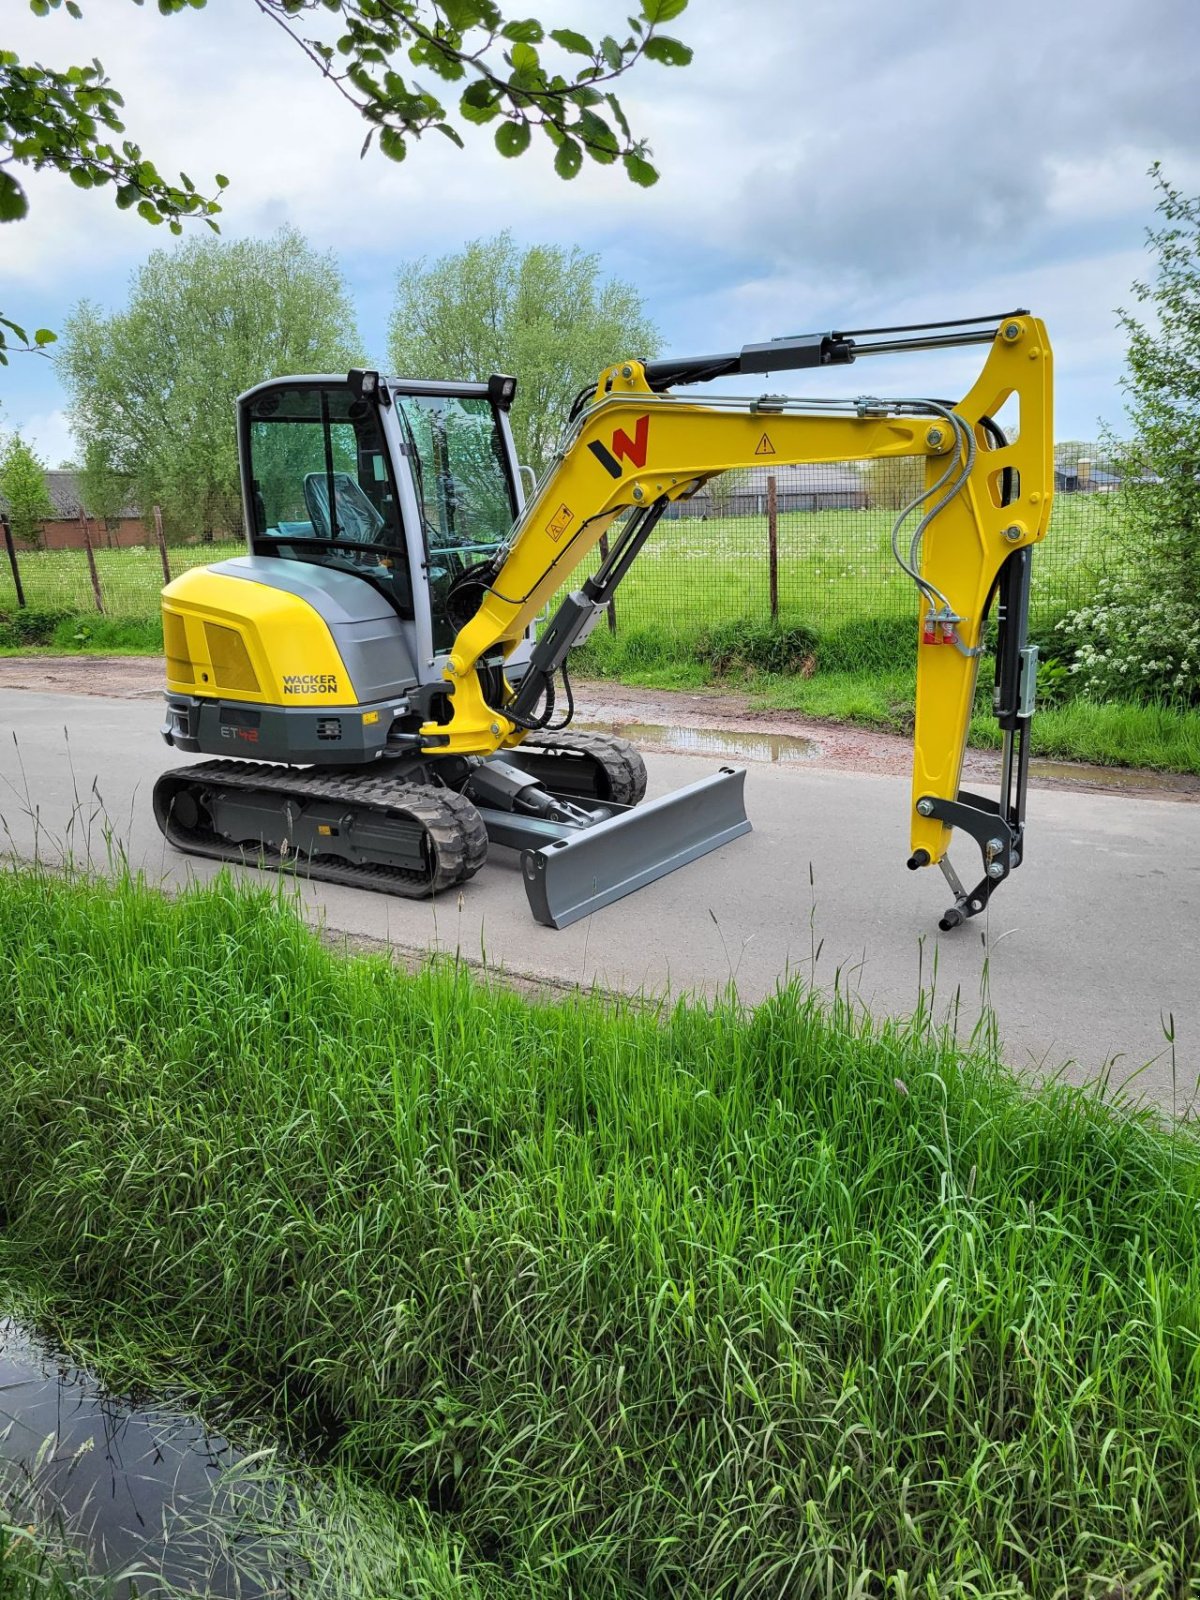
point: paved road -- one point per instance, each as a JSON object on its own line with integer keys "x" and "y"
{"x": 1095, "y": 938}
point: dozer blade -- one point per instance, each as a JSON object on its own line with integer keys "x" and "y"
{"x": 592, "y": 867}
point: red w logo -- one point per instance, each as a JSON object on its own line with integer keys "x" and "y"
{"x": 625, "y": 448}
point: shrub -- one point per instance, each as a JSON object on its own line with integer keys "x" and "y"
{"x": 1133, "y": 643}
{"x": 735, "y": 648}
{"x": 31, "y": 625}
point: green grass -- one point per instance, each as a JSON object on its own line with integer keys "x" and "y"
{"x": 36, "y": 1562}
{"x": 130, "y": 580}
{"x": 688, "y": 1302}
{"x": 834, "y": 566}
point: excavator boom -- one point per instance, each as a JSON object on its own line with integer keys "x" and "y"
{"x": 986, "y": 504}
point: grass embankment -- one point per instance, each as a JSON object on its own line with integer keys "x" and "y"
{"x": 698, "y": 1303}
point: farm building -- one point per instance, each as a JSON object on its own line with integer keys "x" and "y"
{"x": 64, "y": 531}
{"x": 809, "y": 487}
{"x": 1082, "y": 477}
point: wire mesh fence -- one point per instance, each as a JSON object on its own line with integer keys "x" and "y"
{"x": 812, "y": 545}
{"x": 801, "y": 544}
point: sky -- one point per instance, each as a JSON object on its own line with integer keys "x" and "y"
{"x": 825, "y": 164}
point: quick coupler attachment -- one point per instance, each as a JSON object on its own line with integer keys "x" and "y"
{"x": 1001, "y": 845}
{"x": 591, "y": 867}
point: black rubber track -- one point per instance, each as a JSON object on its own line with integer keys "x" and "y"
{"x": 454, "y": 838}
{"x": 616, "y": 770}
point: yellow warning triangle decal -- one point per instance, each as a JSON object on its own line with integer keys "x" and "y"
{"x": 765, "y": 447}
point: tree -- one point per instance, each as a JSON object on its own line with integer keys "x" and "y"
{"x": 103, "y": 491}
{"x": 1143, "y": 633}
{"x": 895, "y": 481}
{"x": 541, "y": 314}
{"x": 23, "y": 487}
{"x": 512, "y": 72}
{"x": 152, "y": 387}
{"x": 1163, "y": 385}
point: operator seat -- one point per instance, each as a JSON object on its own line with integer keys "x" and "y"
{"x": 357, "y": 518}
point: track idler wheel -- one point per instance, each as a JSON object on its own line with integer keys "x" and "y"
{"x": 583, "y": 766}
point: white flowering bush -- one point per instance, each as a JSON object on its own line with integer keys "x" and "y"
{"x": 1131, "y": 642}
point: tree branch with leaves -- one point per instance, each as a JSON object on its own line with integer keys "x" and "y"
{"x": 512, "y": 71}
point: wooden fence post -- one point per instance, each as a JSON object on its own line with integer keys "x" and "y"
{"x": 611, "y": 607}
{"x": 773, "y": 545}
{"x": 12, "y": 561}
{"x": 162, "y": 544}
{"x": 91, "y": 561}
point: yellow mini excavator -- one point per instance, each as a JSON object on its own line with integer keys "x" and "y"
{"x": 375, "y": 666}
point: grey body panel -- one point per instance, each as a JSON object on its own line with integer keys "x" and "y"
{"x": 376, "y": 644}
{"x": 294, "y": 735}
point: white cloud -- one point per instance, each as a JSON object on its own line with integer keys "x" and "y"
{"x": 841, "y": 162}
{"x": 49, "y": 435}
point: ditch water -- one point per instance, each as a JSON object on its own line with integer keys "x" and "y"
{"x": 136, "y": 1489}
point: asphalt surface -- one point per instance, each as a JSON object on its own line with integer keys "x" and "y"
{"x": 1083, "y": 954}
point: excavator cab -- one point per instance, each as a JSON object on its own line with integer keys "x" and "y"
{"x": 425, "y": 484}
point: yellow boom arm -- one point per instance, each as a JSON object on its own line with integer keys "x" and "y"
{"x": 635, "y": 448}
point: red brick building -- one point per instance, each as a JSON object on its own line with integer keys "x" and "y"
{"x": 63, "y": 531}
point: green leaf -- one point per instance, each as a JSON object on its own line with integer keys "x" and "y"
{"x": 391, "y": 142}
{"x": 663, "y": 10}
{"x": 221, "y": 181}
{"x": 40, "y": 8}
{"x": 640, "y": 170}
{"x": 13, "y": 202}
{"x": 149, "y": 212}
{"x": 128, "y": 195}
{"x": 81, "y": 177}
{"x": 73, "y": 10}
{"x": 479, "y": 103}
{"x": 575, "y": 42}
{"x": 597, "y": 136}
{"x": 669, "y": 52}
{"x": 44, "y": 336}
{"x": 614, "y": 105}
{"x": 524, "y": 58}
{"x": 568, "y": 159}
{"x": 611, "y": 51}
{"x": 512, "y": 138}
{"x": 529, "y": 32}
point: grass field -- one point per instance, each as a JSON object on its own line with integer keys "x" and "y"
{"x": 621, "y": 1301}
{"x": 834, "y": 566}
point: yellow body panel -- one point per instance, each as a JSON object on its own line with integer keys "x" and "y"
{"x": 664, "y": 446}
{"x": 240, "y": 640}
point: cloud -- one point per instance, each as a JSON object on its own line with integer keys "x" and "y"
{"x": 837, "y": 162}
{"x": 49, "y": 435}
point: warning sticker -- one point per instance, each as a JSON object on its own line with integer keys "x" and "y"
{"x": 560, "y": 522}
{"x": 765, "y": 447}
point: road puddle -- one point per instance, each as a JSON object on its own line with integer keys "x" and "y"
{"x": 790, "y": 748}
{"x": 723, "y": 742}
{"x": 137, "y": 1489}
{"x": 1125, "y": 778}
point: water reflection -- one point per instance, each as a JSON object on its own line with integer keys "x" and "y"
{"x": 724, "y": 742}
{"x": 140, "y": 1487}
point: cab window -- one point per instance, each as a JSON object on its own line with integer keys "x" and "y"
{"x": 322, "y": 490}
{"x": 461, "y": 481}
